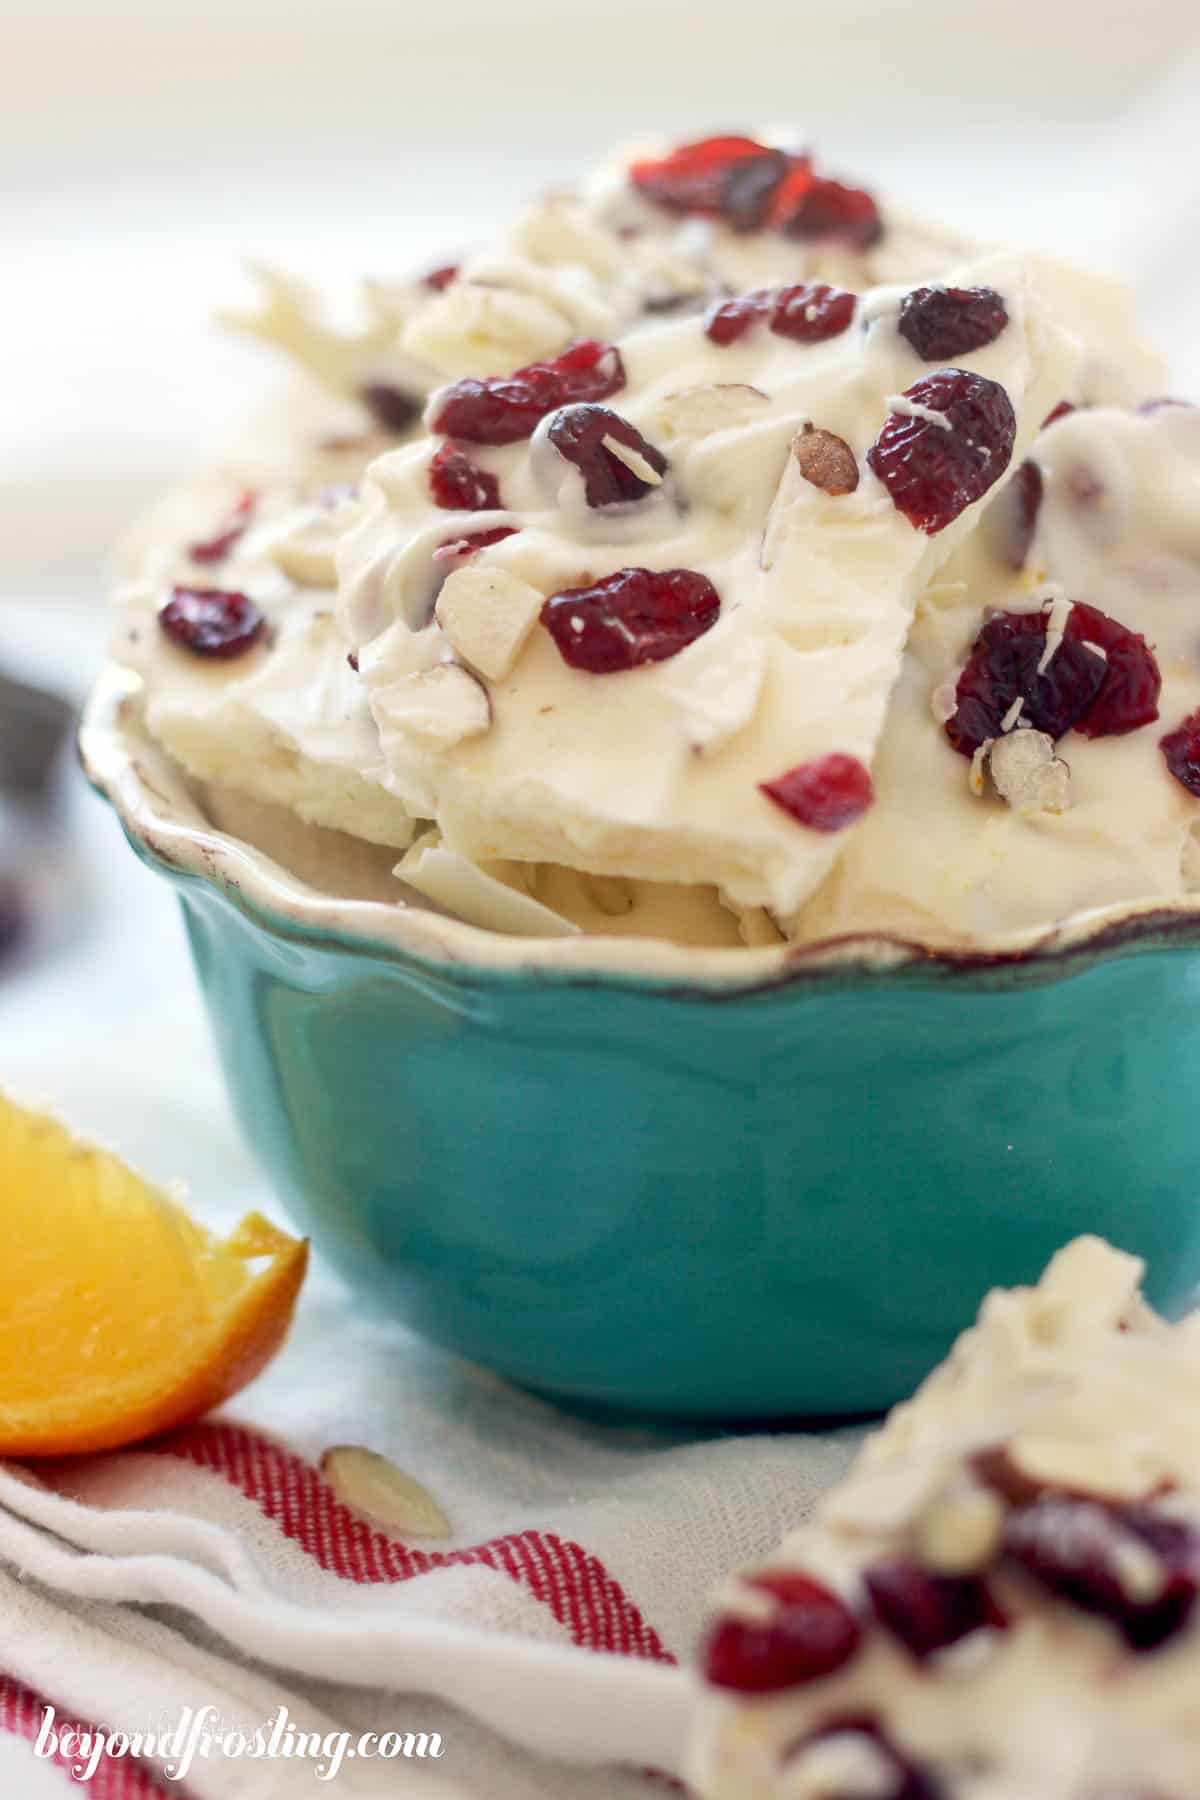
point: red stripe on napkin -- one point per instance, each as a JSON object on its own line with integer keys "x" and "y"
{"x": 572, "y": 1582}
{"x": 116, "y": 1778}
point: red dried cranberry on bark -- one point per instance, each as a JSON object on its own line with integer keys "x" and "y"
{"x": 1128, "y": 696}
{"x": 471, "y": 542}
{"x": 934, "y": 471}
{"x": 830, "y": 209}
{"x": 441, "y": 277}
{"x": 1063, "y": 410}
{"x": 211, "y": 621}
{"x": 1003, "y": 667}
{"x": 750, "y": 188}
{"x": 216, "y": 548}
{"x": 907, "y": 1780}
{"x": 1181, "y": 753}
{"x": 924, "y": 1611}
{"x": 503, "y": 409}
{"x": 941, "y": 323}
{"x": 716, "y": 176}
{"x": 392, "y": 408}
{"x": 826, "y": 795}
{"x": 460, "y": 485}
{"x": 1098, "y": 1557}
{"x": 729, "y": 320}
{"x": 810, "y": 1634}
{"x": 635, "y": 616}
{"x": 812, "y": 312}
{"x": 578, "y": 434}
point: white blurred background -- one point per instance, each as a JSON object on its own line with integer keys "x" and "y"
{"x": 147, "y": 145}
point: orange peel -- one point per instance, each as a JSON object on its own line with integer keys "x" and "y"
{"x": 120, "y": 1316}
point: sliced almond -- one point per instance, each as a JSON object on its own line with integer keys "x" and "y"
{"x": 633, "y": 460}
{"x": 711, "y": 406}
{"x": 1028, "y": 774}
{"x": 442, "y": 705}
{"x": 487, "y": 616}
{"x": 383, "y": 1493}
{"x": 960, "y": 1531}
{"x": 826, "y": 460}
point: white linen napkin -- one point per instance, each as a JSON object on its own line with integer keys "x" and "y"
{"x": 215, "y": 1568}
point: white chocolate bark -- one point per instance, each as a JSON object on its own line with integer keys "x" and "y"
{"x": 653, "y": 772}
{"x": 1118, "y": 528}
{"x": 598, "y": 260}
{"x": 287, "y": 723}
{"x": 1072, "y": 1396}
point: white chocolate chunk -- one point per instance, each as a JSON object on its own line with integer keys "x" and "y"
{"x": 1028, "y": 774}
{"x": 487, "y": 615}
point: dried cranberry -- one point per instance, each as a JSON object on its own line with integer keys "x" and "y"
{"x": 216, "y": 548}
{"x": 810, "y": 1634}
{"x": 578, "y": 433}
{"x": 1013, "y": 517}
{"x": 391, "y": 407}
{"x": 924, "y": 1611}
{"x": 1128, "y": 696}
{"x": 941, "y": 323}
{"x": 471, "y": 542}
{"x": 635, "y": 616}
{"x": 441, "y": 277}
{"x": 1181, "y": 752}
{"x": 907, "y": 1780}
{"x": 812, "y": 312}
{"x": 829, "y": 209}
{"x": 212, "y": 621}
{"x": 729, "y": 320}
{"x": 933, "y": 472}
{"x": 717, "y": 176}
{"x": 503, "y": 409}
{"x": 1003, "y": 667}
{"x": 460, "y": 485}
{"x": 1087, "y": 1553}
{"x": 750, "y": 188}
{"x": 826, "y": 795}
{"x": 1063, "y": 410}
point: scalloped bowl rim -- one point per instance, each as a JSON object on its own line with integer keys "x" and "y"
{"x": 164, "y": 823}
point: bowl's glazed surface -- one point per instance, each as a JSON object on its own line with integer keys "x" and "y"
{"x": 779, "y": 1193}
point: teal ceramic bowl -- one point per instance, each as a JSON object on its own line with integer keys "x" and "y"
{"x": 722, "y": 1183}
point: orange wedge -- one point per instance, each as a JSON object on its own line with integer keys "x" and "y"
{"x": 119, "y": 1315}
